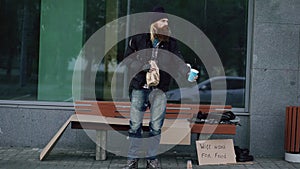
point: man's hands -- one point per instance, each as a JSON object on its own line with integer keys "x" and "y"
{"x": 188, "y": 74}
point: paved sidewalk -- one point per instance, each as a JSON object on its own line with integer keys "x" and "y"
{"x": 28, "y": 158}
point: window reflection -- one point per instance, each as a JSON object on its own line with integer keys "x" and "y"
{"x": 41, "y": 41}
{"x": 19, "y": 34}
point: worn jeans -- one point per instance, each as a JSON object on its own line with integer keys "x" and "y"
{"x": 140, "y": 100}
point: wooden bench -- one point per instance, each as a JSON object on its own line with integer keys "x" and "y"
{"x": 105, "y": 115}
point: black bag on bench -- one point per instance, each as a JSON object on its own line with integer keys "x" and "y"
{"x": 224, "y": 117}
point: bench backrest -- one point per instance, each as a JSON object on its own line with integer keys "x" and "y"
{"x": 122, "y": 109}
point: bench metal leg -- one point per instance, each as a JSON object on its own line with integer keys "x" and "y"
{"x": 101, "y": 144}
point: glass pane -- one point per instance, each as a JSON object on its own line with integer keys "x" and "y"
{"x": 19, "y": 49}
{"x": 224, "y": 22}
{"x": 45, "y": 38}
{"x": 61, "y": 38}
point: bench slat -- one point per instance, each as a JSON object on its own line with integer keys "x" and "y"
{"x": 115, "y": 107}
{"x": 227, "y": 129}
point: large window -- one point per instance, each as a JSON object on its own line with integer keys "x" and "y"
{"x": 41, "y": 40}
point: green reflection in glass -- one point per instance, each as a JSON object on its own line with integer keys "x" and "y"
{"x": 61, "y": 37}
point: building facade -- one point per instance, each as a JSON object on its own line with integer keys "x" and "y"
{"x": 256, "y": 39}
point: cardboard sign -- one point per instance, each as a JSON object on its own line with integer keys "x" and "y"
{"x": 176, "y": 132}
{"x": 215, "y": 151}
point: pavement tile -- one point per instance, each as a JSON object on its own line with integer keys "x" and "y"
{"x": 19, "y": 158}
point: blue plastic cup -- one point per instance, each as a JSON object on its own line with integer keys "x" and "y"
{"x": 192, "y": 75}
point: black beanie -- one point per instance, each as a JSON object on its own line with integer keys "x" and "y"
{"x": 159, "y": 14}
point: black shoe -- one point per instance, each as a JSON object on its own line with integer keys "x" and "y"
{"x": 131, "y": 164}
{"x": 244, "y": 158}
{"x": 151, "y": 164}
{"x": 240, "y": 151}
{"x": 242, "y": 155}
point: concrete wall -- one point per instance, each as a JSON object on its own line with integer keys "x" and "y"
{"x": 275, "y": 73}
{"x": 22, "y": 127}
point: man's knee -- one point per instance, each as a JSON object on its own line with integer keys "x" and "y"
{"x": 155, "y": 129}
{"x": 154, "y": 132}
{"x": 135, "y": 129}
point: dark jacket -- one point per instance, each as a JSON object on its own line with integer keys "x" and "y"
{"x": 141, "y": 47}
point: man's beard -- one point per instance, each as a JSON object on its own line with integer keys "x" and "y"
{"x": 163, "y": 34}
